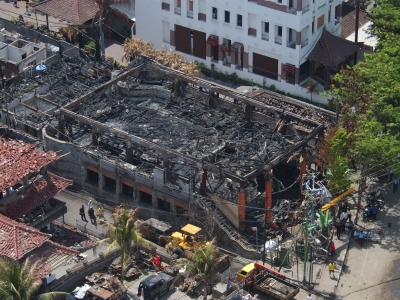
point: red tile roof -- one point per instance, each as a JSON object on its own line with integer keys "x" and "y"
{"x": 73, "y": 11}
{"x": 349, "y": 20}
{"x": 17, "y": 240}
{"x": 37, "y": 193}
{"x": 18, "y": 159}
{"x": 332, "y": 50}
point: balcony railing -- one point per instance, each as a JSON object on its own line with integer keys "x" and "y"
{"x": 177, "y": 10}
{"x": 278, "y": 40}
{"x": 291, "y": 44}
{"x": 265, "y": 36}
{"x": 305, "y": 9}
{"x": 304, "y": 43}
{"x": 291, "y": 10}
{"x": 190, "y": 14}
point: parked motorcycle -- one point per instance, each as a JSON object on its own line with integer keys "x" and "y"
{"x": 367, "y": 211}
{"x": 375, "y": 197}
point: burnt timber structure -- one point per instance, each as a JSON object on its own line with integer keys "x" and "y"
{"x": 155, "y": 138}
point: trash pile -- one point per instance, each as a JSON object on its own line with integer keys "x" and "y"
{"x": 100, "y": 283}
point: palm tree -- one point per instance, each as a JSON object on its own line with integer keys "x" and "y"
{"x": 203, "y": 264}
{"x": 107, "y": 13}
{"x": 19, "y": 281}
{"x": 122, "y": 233}
{"x": 312, "y": 88}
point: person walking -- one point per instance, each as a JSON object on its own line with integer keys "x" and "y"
{"x": 89, "y": 205}
{"x": 27, "y": 9}
{"x": 331, "y": 268}
{"x": 395, "y": 185}
{"x": 82, "y": 213}
{"x": 100, "y": 212}
{"x": 15, "y": 3}
{"x": 92, "y": 216}
{"x": 332, "y": 248}
{"x": 309, "y": 297}
{"x": 338, "y": 230}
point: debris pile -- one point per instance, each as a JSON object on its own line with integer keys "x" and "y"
{"x": 132, "y": 272}
{"x": 101, "y": 281}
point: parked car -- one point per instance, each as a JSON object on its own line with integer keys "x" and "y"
{"x": 155, "y": 286}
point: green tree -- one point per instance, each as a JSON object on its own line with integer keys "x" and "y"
{"x": 385, "y": 18}
{"x": 20, "y": 281}
{"x": 203, "y": 264}
{"x": 122, "y": 233}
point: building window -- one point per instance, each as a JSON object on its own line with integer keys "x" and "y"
{"x": 313, "y": 25}
{"x": 92, "y": 176}
{"x": 227, "y": 17}
{"x": 266, "y": 27}
{"x": 279, "y": 33}
{"x": 279, "y": 1}
{"x": 321, "y": 21}
{"x": 215, "y": 13}
{"x": 239, "y": 21}
{"x": 178, "y": 3}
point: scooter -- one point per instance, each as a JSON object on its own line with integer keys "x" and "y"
{"x": 367, "y": 211}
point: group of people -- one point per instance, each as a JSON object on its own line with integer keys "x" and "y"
{"x": 92, "y": 216}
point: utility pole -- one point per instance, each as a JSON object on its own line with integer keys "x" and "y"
{"x": 103, "y": 50}
{"x": 356, "y": 27}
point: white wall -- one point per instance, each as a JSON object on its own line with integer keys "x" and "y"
{"x": 150, "y": 19}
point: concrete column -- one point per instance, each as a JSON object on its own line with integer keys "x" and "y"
{"x": 212, "y": 101}
{"x": 110, "y": 98}
{"x": 61, "y": 123}
{"x": 242, "y": 207}
{"x": 297, "y": 76}
{"x": 101, "y": 181}
{"x": 268, "y": 201}
{"x": 118, "y": 187}
{"x": 203, "y": 182}
{"x": 172, "y": 207}
{"x": 95, "y": 138}
{"x": 283, "y": 73}
{"x": 136, "y": 194}
{"x": 247, "y": 112}
{"x": 154, "y": 203}
{"x": 129, "y": 152}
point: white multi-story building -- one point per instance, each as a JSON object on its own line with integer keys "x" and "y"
{"x": 266, "y": 41}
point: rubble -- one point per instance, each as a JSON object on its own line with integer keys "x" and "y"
{"x": 101, "y": 282}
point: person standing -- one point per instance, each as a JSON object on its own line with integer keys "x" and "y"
{"x": 89, "y": 205}
{"x": 332, "y": 248}
{"x": 338, "y": 230}
{"x": 100, "y": 212}
{"x": 361, "y": 238}
{"x": 82, "y": 213}
{"x": 27, "y": 9}
{"x": 374, "y": 211}
{"x": 309, "y": 297}
{"x": 92, "y": 216}
{"x": 395, "y": 185}
{"x": 391, "y": 173}
{"x": 16, "y": 3}
{"x": 331, "y": 268}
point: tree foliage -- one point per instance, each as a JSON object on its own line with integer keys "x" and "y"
{"x": 20, "y": 281}
{"x": 203, "y": 264}
{"x": 122, "y": 233}
{"x": 385, "y": 18}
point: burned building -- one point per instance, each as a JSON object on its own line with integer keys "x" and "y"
{"x": 154, "y": 138}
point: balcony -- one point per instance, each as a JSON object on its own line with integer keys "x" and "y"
{"x": 291, "y": 44}
{"x": 252, "y": 32}
{"x": 304, "y": 43}
{"x": 165, "y": 6}
{"x": 278, "y": 40}
{"x": 202, "y": 17}
{"x": 265, "y": 36}
{"x": 190, "y": 14}
{"x": 305, "y": 9}
{"x": 291, "y": 10}
{"x": 177, "y": 10}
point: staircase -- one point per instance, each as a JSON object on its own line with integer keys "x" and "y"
{"x": 224, "y": 224}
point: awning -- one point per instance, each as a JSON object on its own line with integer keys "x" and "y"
{"x": 226, "y": 48}
{"x": 213, "y": 40}
{"x": 290, "y": 68}
{"x": 238, "y": 46}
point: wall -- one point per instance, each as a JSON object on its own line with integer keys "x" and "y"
{"x": 151, "y": 30}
